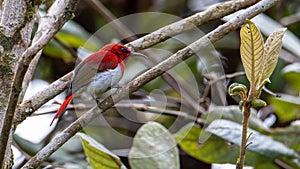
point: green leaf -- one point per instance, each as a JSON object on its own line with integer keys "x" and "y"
{"x": 267, "y": 165}
{"x": 238, "y": 89}
{"x": 272, "y": 48}
{"x": 261, "y": 144}
{"x": 214, "y": 149}
{"x": 73, "y": 36}
{"x": 258, "y": 103}
{"x": 98, "y": 156}
{"x": 55, "y": 50}
{"x": 252, "y": 50}
{"x": 233, "y": 113}
{"x": 287, "y": 107}
{"x": 290, "y": 135}
{"x": 154, "y": 147}
{"x": 291, "y": 73}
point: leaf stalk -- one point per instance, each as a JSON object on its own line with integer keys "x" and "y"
{"x": 246, "y": 111}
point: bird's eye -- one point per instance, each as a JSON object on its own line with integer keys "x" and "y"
{"x": 124, "y": 50}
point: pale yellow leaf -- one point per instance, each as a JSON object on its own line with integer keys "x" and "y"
{"x": 99, "y": 156}
{"x": 272, "y": 48}
{"x": 252, "y": 50}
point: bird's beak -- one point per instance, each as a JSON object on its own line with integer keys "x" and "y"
{"x": 134, "y": 54}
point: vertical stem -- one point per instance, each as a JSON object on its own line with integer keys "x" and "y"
{"x": 13, "y": 43}
{"x": 240, "y": 162}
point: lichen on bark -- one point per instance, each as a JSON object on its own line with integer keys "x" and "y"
{"x": 6, "y": 75}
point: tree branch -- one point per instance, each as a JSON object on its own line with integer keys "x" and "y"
{"x": 16, "y": 28}
{"x": 186, "y": 24}
{"x": 160, "y": 35}
{"x": 190, "y": 96}
{"x": 58, "y": 14}
{"x": 13, "y": 17}
{"x": 40, "y": 98}
{"x": 149, "y": 75}
{"x": 28, "y": 76}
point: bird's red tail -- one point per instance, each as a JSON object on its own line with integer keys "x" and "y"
{"x": 63, "y": 107}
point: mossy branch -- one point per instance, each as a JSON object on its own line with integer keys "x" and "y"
{"x": 16, "y": 17}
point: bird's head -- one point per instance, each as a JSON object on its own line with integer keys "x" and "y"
{"x": 121, "y": 51}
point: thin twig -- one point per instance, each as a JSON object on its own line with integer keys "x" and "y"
{"x": 149, "y": 75}
{"x": 214, "y": 80}
{"x": 227, "y": 76}
{"x": 40, "y": 98}
{"x": 31, "y": 68}
{"x": 156, "y": 110}
{"x": 66, "y": 47}
{"x": 282, "y": 164}
{"x": 124, "y": 103}
{"x": 28, "y": 76}
{"x": 108, "y": 16}
{"x": 270, "y": 92}
{"x": 289, "y": 20}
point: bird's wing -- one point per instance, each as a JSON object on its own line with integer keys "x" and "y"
{"x": 85, "y": 71}
{"x": 83, "y": 74}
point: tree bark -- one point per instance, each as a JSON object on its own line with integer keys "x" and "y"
{"x": 16, "y": 26}
{"x": 17, "y": 52}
